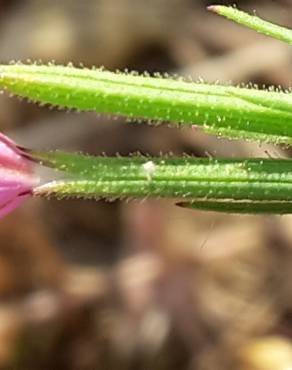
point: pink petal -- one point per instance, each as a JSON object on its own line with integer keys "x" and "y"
{"x": 8, "y": 207}
{"x": 11, "y": 155}
{"x": 16, "y": 176}
{"x": 10, "y": 178}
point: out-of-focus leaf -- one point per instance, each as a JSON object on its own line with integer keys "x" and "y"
{"x": 254, "y": 22}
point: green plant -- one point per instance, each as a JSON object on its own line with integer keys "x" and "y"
{"x": 241, "y": 186}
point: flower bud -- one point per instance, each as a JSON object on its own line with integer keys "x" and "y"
{"x": 17, "y": 178}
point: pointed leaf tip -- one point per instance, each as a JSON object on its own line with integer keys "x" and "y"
{"x": 253, "y": 22}
{"x": 214, "y": 8}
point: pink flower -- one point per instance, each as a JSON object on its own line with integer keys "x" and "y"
{"x": 17, "y": 178}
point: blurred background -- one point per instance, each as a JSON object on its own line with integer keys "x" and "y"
{"x": 141, "y": 285}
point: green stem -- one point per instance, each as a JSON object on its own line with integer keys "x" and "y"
{"x": 223, "y": 110}
{"x": 250, "y": 185}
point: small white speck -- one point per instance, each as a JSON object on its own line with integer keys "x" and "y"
{"x": 149, "y": 168}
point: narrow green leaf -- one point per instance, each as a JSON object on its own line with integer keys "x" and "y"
{"x": 249, "y": 186}
{"x": 253, "y": 22}
{"x": 240, "y": 207}
{"x": 223, "y": 110}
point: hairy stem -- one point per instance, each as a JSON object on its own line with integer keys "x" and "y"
{"x": 231, "y": 185}
{"x": 223, "y": 110}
